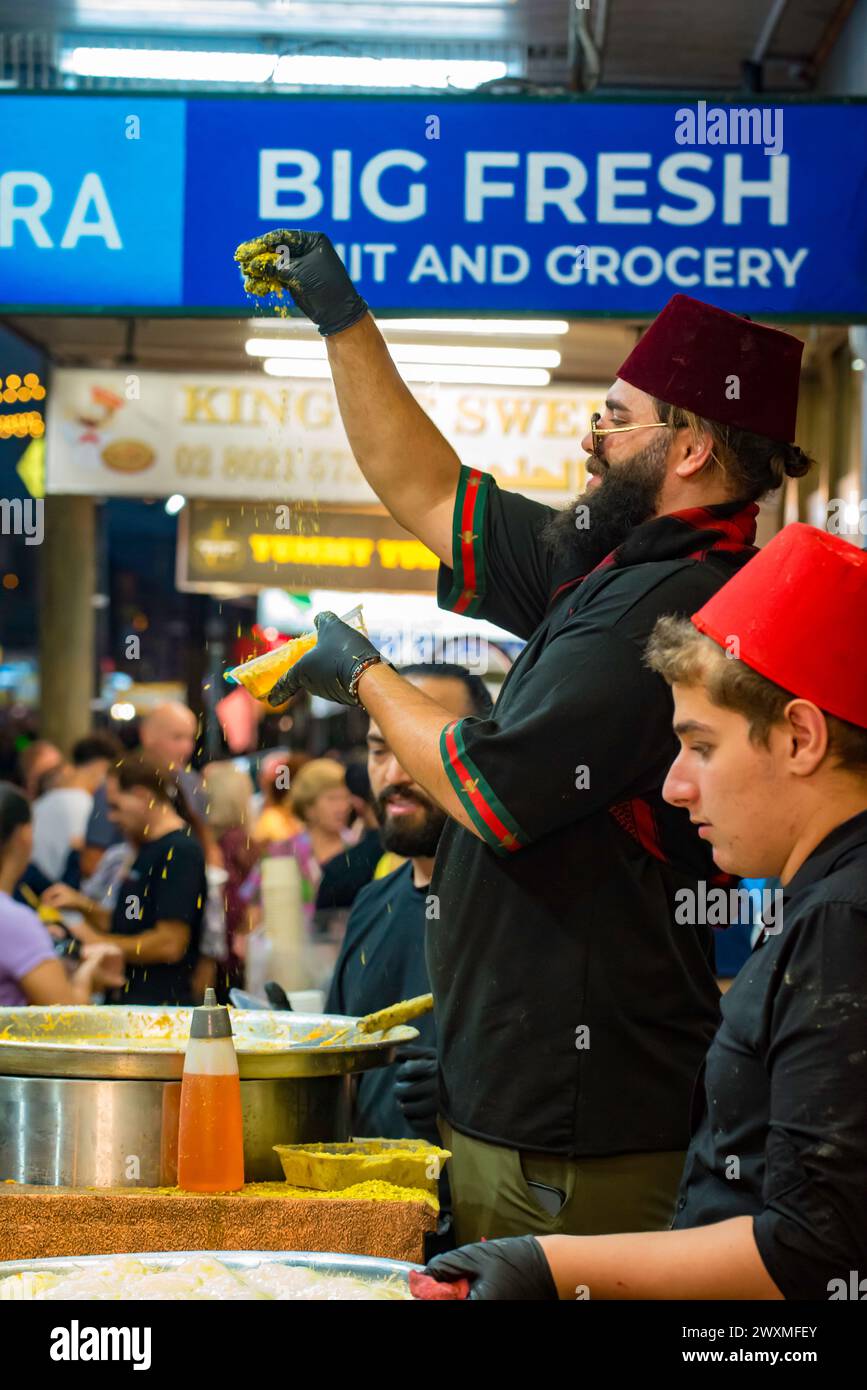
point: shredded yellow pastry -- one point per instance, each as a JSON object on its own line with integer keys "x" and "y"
{"x": 374, "y": 1190}
{"x": 201, "y": 1278}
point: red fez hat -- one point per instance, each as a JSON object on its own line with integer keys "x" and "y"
{"x": 799, "y": 611}
{"x": 719, "y": 366}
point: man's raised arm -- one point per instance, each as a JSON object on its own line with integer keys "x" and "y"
{"x": 410, "y": 466}
{"x": 412, "y": 469}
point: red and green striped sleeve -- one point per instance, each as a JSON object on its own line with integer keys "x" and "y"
{"x": 497, "y": 827}
{"x": 468, "y": 556}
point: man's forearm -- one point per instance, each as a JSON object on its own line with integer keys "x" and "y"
{"x": 148, "y": 948}
{"x": 706, "y": 1262}
{"x": 409, "y": 464}
{"x": 98, "y": 917}
{"x": 411, "y": 725}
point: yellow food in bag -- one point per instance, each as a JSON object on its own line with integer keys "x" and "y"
{"x": 261, "y": 673}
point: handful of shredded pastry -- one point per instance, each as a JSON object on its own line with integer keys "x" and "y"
{"x": 258, "y": 261}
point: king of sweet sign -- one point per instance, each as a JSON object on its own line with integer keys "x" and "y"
{"x": 220, "y": 435}
{"x": 448, "y": 204}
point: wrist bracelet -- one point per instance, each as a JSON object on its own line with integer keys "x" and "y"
{"x": 359, "y": 672}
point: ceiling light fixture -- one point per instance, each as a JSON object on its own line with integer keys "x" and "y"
{"x": 170, "y": 64}
{"x": 489, "y": 328}
{"x": 431, "y": 353}
{"x": 419, "y": 372}
{"x": 294, "y": 69}
{"x": 344, "y": 70}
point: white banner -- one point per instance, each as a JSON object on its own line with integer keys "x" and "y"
{"x": 245, "y": 435}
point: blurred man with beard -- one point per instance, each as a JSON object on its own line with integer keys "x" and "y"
{"x": 572, "y": 1009}
{"x": 382, "y": 957}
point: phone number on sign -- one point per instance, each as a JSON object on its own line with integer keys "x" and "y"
{"x": 275, "y": 465}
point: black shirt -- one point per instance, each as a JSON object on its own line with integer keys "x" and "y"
{"x": 166, "y": 882}
{"x": 101, "y": 831}
{"x": 344, "y": 876}
{"x": 784, "y": 1086}
{"x": 381, "y": 962}
{"x": 562, "y": 918}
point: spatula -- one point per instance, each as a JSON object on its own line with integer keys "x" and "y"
{"x": 381, "y": 1021}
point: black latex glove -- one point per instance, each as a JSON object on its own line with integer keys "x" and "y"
{"x": 417, "y": 1088}
{"x": 513, "y": 1268}
{"x": 332, "y": 667}
{"x": 277, "y": 996}
{"x": 313, "y": 273}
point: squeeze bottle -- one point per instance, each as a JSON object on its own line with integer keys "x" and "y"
{"x": 210, "y": 1130}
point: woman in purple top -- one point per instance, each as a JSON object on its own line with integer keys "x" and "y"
{"x": 30, "y": 972}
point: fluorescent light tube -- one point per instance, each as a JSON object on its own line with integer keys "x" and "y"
{"x": 295, "y": 69}
{"x": 170, "y": 64}
{"x": 478, "y": 376}
{"x": 539, "y": 328}
{"x": 431, "y": 353}
{"x": 476, "y": 356}
{"x": 346, "y": 70}
{"x": 486, "y": 328}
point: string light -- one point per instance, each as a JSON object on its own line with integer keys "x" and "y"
{"x": 17, "y": 391}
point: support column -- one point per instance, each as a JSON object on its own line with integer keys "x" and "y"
{"x": 66, "y": 619}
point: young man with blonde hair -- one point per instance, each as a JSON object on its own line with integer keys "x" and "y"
{"x": 770, "y": 690}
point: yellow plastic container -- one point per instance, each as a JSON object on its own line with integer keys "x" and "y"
{"x": 332, "y": 1167}
{"x": 260, "y": 674}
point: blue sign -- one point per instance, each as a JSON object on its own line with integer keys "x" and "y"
{"x": 91, "y": 206}
{"x": 454, "y": 205}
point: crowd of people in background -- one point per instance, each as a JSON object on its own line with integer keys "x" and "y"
{"x": 128, "y": 876}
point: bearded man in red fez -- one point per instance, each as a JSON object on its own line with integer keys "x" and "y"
{"x": 770, "y": 707}
{"x": 572, "y": 1009}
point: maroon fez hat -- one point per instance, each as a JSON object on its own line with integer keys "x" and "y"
{"x": 720, "y": 366}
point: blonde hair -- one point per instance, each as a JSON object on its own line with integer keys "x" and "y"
{"x": 318, "y": 776}
{"x": 228, "y": 792}
{"x": 682, "y": 655}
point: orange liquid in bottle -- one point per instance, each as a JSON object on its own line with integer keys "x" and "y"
{"x": 210, "y": 1135}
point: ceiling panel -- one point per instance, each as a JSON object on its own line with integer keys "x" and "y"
{"x": 684, "y": 45}
{"x": 689, "y": 45}
{"x": 591, "y": 351}
{"x": 496, "y": 20}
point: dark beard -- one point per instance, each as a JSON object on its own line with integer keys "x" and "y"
{"x": 417, "y": 841}
{"x": 626, "y": 496}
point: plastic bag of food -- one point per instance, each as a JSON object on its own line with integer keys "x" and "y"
{"x": 260, "y": 674}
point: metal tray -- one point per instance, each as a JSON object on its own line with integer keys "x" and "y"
{"x": 110, "y": 1041}
{"x": 365, "y": 1266}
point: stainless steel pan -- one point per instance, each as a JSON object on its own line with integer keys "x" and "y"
{"x": 362, "y": 1266}
{"x": 148, "y": 1043}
